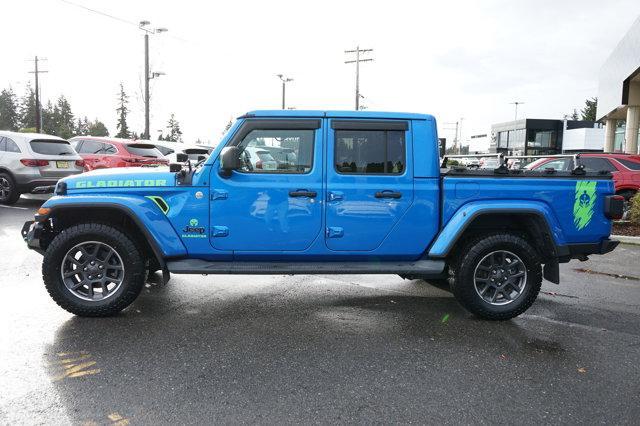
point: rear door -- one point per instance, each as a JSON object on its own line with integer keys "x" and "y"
{"x": 369, "y": 181}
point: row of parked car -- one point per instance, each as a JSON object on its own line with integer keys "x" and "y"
{"x": 625, "y": 168}
{"x": 30, "y": 161}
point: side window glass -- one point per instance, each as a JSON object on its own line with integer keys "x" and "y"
{"x": 370, "y": 151}
{"x": 277, "y": 151}
{"x": 11, "y": 146}
{"x": 561, "y": 165}
{"x": 3, "y": 144}
{"x": 110, "y": 149}
{"x": 595, "y": 164}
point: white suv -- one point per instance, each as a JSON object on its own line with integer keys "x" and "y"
{"x": 31, "y": 160}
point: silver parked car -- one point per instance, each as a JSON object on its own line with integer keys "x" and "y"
{"x": 31, "y": 160}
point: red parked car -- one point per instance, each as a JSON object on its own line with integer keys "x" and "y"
{"x": 103, "y": 153}
{"x": 624, "y": 168}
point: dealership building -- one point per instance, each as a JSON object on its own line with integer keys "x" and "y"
{"x": 545, "y": 137}
{"x": 619, "y": 94}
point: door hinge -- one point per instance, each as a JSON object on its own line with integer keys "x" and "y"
{"x": 219, "y": 231}
{"x": 335, "y": 232}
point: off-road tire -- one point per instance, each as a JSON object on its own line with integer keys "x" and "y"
{"x": 14, "y": 194}
{"x": 133, "y": 261}
{"x": 462, "y": 269}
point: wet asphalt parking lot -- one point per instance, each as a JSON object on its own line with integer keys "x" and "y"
{"x": 318, "y": 349}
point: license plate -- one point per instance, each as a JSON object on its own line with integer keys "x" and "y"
{"x": 62, "y": 164}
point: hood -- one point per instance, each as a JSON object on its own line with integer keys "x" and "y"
{"x": 125, "y": 177}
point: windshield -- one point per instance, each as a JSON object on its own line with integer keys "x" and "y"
{"x": 143, "y": 150}
{"x": 52, "y": 147}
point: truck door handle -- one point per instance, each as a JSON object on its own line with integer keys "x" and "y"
{"x": 303, "y": 193}
{"x": 388, "y": 194}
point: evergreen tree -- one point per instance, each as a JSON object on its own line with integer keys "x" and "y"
{"x": 175, "y": 134}
{"x": 227, "y": 127}
{"x": 64, "y": 122}
{"x": 9, "y": 118}
{"x": 82, "y": 127}
{"x": 589, "y": 110}
{"x": 575, "y": 116}
{"x": 122, "y": 110}
{"x": 27, "y": 109}
{"x": 97, "y": 128}
{"x": 50, "y": 118}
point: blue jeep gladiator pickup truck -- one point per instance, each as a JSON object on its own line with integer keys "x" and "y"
{"x": 322, "y": 192}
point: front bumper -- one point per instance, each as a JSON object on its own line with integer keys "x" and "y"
{"x": 32, "y": 233}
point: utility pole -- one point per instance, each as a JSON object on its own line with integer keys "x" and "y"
{"x": 357, "y": 61}
{"x": 284, "y": 80}
{"x": 36, "y": 71}
{"x": 148, "y": 76}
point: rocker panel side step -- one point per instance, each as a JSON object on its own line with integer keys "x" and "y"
{"x": 198, "y": 266}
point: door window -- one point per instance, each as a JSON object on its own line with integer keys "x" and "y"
{"x": 560, "y": 165}
{"x": 3, "y": 144}
{"x": 370, "y": 151}
{"x": 596, "y": 164}
{"x": 11, "y": 146}
{"x": 277, "y": 151}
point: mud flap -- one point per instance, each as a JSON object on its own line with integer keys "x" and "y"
{"x": 551, "y": 271}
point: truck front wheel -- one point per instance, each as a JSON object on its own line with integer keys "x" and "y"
{"x": 93, "y": 270}
{"x": 498, "y": 277}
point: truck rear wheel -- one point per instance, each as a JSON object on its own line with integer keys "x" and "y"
{"x": 498, "y": 277}
{"x": 93, "y": 270}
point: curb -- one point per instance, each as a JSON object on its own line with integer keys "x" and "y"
{"x": 624, "y": 239}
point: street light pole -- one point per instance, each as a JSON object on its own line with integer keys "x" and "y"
{"x": 146, "y": 86}
{"x": 284, "y": 80}
{"x": 516, "y": 103}
{"x": 147, "y": 74}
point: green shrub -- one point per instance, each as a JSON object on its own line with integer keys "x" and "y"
{"x": 634, "y": 209}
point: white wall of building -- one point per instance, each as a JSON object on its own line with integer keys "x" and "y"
{"x": 583, "y": 140}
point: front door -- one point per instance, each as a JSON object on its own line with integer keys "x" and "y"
{"x": 369, "y": 182}
{"x": 273, "y": 203}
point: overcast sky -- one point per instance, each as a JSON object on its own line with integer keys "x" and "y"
{"x": 451, "y": 59}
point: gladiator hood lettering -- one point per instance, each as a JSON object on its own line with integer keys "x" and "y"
{"x": 118, "y": 178}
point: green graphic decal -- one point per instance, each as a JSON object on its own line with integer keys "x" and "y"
{"x": 584, "y": 203}
{"x": 160, "y": 202}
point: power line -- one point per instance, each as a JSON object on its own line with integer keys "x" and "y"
{"x": 116, "y": 18}
{"x": 357, "y": 61}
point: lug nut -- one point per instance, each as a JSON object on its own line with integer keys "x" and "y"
{"x": 93, "y": 263}
{"x": 100, "y": 266}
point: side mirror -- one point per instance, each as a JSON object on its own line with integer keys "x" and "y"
{"x": 175, "y": 167}
{"x": 181, "y": 157}
{"x": 229, "y": 160}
